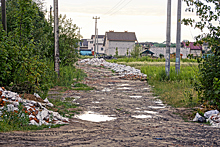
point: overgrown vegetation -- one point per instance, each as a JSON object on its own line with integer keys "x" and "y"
{"x": 208, "y": 81}
{"x": 27, "y": 49}
{"x": 147, "y": 59}
{"x": 66, "y": 108}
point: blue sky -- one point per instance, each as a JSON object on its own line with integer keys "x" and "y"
{"x": 147, "y": 18}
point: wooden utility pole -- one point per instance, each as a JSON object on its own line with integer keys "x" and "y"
{"x": 167, "y": 64}
{"x": 4, "y": 18}
{"x": 56, "y": 38}
{"x": 178, "y": 36}
{"x": 79, "y": 42}
{"x": 95, "y": 47}
{"x": 50, "y": 15}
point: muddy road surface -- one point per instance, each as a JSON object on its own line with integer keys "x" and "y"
{"x": 134, "y": 118}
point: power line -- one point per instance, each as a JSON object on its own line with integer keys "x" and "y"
{"x": 114, "y": 7}
{"x": 120, "y": 8}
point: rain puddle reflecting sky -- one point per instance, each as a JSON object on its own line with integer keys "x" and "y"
{"x": 94, "y": 117}
{"x": 141, "y": 116}
{"x": 135, "y": 96}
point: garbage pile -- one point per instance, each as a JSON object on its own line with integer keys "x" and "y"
{"x": 212, "y": 116}
{"x": 37, "y": 111}
{"x": 125, "y": 72}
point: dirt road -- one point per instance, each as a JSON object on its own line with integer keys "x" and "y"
{"x": 138, "y": 119}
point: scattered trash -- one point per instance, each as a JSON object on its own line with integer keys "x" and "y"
{"x": 201, "y": 120}
{"x": 214, "y": 120}
{"x": 158, "y": 138}
{"x": 197, "y": 117}
{"x": 37, "y": 112}
{"x": 209, "y": 113}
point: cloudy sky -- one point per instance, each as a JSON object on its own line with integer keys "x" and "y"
{"x": 147, "y": 18}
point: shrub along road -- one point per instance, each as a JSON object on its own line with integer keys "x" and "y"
{"x": 136, "y": 123}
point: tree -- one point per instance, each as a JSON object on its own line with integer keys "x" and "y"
{"x": 136, "y": 51}
{"x": 68, "y": 41}
{"x": 116, "y": 52}
{"x": 208, "y": 83}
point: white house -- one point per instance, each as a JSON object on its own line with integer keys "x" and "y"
{"x": 122, "y": 40}
{"x": 91, "y": 44}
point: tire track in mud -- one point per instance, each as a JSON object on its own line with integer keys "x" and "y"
{"x": 122, "y": 99}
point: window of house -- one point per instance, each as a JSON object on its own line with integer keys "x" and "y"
{"x": 91, "y": 41}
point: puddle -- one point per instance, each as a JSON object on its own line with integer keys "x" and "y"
{"x": 106, "y": 90}
{"x": 156, "y": 107}
{"x": 138, "y": 108}
{"x": 123, "y": 85}
{"x": 96, "y": 102}
{"x": 158, "y": 102}
{"x": 123, "y": 88}
{"x": 150, "y": 112}
{"x": 135, "y": 96}
{"x": 146, "y": 88}
{"x": 141, "y": 116}
{"x": 94, "y": 117}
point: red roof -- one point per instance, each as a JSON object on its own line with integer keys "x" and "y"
{"x": 192, "y": 47}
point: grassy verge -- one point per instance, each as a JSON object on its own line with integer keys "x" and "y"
{"x": 148, "y": 59}
{"x": 65, "y": 108}
{"x": 177, "y": 90}
{"x": 69, "y": 76}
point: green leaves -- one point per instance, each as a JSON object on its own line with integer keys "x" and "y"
{"x": 208, "y": 84}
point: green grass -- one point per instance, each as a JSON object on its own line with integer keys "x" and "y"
{"x": 177, "y": 90}
{"x": 147, "y": 59}
{"x": 65, "y": 108}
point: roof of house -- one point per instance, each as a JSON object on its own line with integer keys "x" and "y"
{"x": 192, "y": 47}
{"x": 99, "y": 36}
{"x": 147, "y": 52}
{"x": 121, "y": 36}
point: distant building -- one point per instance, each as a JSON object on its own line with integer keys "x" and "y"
{"x": 196, "y": 50}
{"x": 91, "y": 44}
{"x": 84, "y": 47}
{"x": 124, "y": 41}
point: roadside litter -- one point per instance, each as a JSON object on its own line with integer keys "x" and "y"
{"x": 212, "y": 116}
{"x": 37, "y": 111}
{"x": 125, "y": 72}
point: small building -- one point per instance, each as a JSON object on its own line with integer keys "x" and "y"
{"x": 147, "y": 52}
{"x": 91, "y": 44}
{"x": 123, "y": 41}
{"x": 196, "y": 50}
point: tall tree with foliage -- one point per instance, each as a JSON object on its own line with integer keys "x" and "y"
{"x": 208, "y": 84}
{"x": 136, "y": 51}
{"x": 26, "y": 52}
{"x": 68, "y": 41}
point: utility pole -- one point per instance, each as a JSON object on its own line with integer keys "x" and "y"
{"x": 4, "y": 18}
{"x": 95, "y": 47}
{"x": 167, "y": 65}
{"x": 97, "y": 41}
{"x": 178, "y": 36}
{"x": 79, "y": 42}
{"x": 56, "y": 38}
{"x": 51, "y": 15}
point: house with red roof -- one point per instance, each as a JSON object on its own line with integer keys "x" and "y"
{"x": 196, "y": 50}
